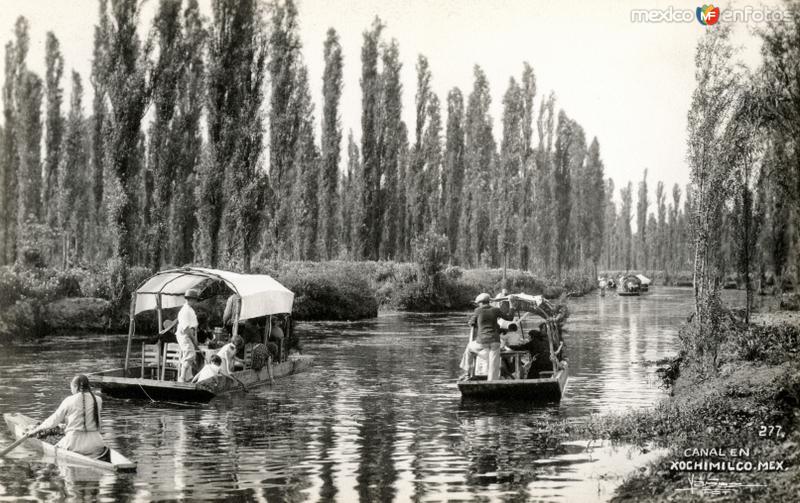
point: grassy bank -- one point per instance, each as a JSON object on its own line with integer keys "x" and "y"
{"x": 751, "y": 404}
{"x": 36, "y": 302}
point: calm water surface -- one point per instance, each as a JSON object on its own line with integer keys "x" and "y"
{"x": 378, "y": 418}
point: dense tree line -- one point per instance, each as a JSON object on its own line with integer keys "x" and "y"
{"x": 745, "y": 163}
{"x": 227, "y": 169}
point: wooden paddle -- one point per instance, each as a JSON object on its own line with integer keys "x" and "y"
{"x": 15, "y": 444}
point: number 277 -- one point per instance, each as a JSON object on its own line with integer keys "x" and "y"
{"x": 769, "y": 431}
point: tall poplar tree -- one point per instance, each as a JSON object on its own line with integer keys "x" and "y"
{"x": 390, "y": 143}
{"x": 596, "y": 203}
{"x": 304, "y": 197}
{"x": 10, "y": 160}
{"x": 98, "y": 80}
{"x": 183, "y": 221}
{"x": 369, "y": 182}
{"x": 74, "y": 176}
{"x": 245, "y": 182}
{"x": 453, "y": 177}
{"x": 331, "y": 145}
{"x": 642, "y": 207}
{"x": 562, "y": 190}
{"x": 284, "y": 125}
{"x": 128, "y": 93}
{"x": 28, "y": 129}
{"x": 235, "y": 48}
{"x": 624, "y": 227}
{"x": 479, "y": 158}
{"x": 164, "y": 138}
{"x": 54, "y": 64}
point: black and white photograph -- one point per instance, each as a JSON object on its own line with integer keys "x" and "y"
{"x": 400, "y": 251}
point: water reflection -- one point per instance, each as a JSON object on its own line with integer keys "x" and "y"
{"x": 378, "y": 418}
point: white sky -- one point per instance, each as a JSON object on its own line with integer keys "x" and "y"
{"x": 627, "y": 83}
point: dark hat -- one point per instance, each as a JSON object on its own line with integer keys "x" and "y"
{"x": 167, "y": 326}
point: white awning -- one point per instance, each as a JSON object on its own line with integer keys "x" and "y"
{"x": 261, "y": 295}
{"x": 645, "y": 280}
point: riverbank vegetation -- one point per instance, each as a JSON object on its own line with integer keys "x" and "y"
{"x": 39, "y": 301}
{"x": 750, "y": 402}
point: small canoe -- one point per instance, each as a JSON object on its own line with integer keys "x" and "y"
{"x": 545, "y": 389}
{"x": 17, "y": 423}
{"x": 629, "y": 294}
{"x": 119, "y": 384}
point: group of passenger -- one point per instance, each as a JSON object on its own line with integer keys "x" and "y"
{"x": 184, "y": 330}
{"x": 486, "y": 329}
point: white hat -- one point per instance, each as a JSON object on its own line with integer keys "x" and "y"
{"x": 484, "y": 297}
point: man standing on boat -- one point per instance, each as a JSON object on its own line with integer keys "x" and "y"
{"x": 485, "y": 334}
{"x": 187, "y": 334}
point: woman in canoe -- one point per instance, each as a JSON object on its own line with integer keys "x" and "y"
{"x": 81, "y": 414}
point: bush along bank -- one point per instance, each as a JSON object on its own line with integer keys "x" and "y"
{"x": 733, "y": 429}
{"x": 40, "y": 301}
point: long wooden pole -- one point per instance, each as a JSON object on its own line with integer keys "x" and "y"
{"x": 553, "y": 359}
{"x": 131, "y": 328}
{"x": 159, "y": 313}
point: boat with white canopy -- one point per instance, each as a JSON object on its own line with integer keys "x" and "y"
{"x": 547, "y": 386}
{"x": 151, "y": 373}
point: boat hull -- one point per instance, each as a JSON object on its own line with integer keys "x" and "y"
{"x": 17, "y": 423}
{"x": 545, "y": 390}
{"x": 116, "y": 384}
{"x": 628, "y": 294}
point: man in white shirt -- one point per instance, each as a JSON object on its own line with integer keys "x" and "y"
{"x": 186, "y": 334}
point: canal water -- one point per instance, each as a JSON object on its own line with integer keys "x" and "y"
{"x": 378, "y": 418}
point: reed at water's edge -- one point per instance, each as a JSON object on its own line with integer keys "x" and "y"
{"x": 40, "y": 301}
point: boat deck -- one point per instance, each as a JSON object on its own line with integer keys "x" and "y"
{"x": 548, "y": 389}
{"x": 120, "y": 383}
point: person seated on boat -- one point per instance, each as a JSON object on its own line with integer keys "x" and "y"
{"x": 80, "y": 412}
{"x": 509, "y": 336}
{"x": 539, "y": 349}
{"x": 186, "y": 335}
{"x": 485, "y": 334}
{"x": 209, "y": 370}
{"x": 228, "y": 355}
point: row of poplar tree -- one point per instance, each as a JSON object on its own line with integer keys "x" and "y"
{"x": 200, "y": 147}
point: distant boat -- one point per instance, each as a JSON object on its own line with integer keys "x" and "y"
{"x": 260, "y": 296}
{"x": 629, "y": 285}
{"x": 645, "y": 282}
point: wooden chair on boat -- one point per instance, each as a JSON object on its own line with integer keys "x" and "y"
{"x": 151, "y": 360}
{"x": 172, "y": 358}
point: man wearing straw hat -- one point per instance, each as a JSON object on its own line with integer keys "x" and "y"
{"x": 485, "y": 334}
{"x": 187, "y": 334}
